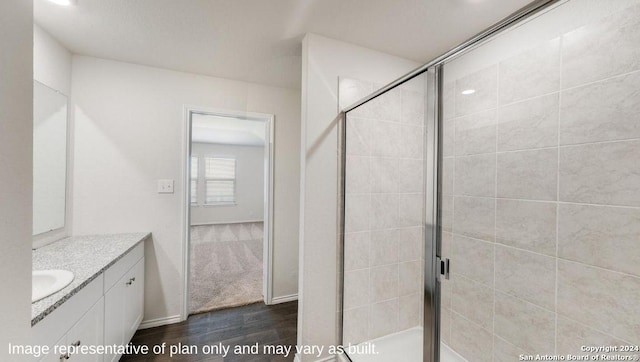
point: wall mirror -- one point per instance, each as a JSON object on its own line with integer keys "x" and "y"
{"x": 49, "y": 158}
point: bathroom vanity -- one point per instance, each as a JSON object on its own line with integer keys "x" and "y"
{"x": 102, "y": 306}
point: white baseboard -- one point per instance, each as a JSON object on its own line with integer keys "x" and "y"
{"x": 159, "y": 322}
{"x": 284, "y": 299}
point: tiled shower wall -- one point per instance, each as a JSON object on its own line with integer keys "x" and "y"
{"x": 541, "y": 205}
{"x": 383, "y": 289}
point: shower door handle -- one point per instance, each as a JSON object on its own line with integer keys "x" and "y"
{"x": 444, "y": 268}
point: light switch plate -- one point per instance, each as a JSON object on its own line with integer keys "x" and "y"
{"x": 165, "y": 186}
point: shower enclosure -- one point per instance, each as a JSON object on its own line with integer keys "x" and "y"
{"x": 491, "y": 198}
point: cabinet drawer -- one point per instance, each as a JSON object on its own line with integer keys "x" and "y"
{"x": 117, "y": 270}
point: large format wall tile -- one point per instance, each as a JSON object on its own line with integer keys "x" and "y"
{"x": 602, "y": 111}
{"x": 410, "y": 176}
{"x": 524, "y": 324}
{"x": 485, "y": 84}
{"x": 529, "y": 124}
{"x": 475, "y": 133}
{"x": 384, "y": 211}
{"x": 526, "y": 275}
{"x": 532, "y": 73}
{"x": 358, "y": 136}
{"x": 356, "y": 325}
{"x": 605, "y": 300}
{"x": 383, "y": 247}
{"x": 470, "y": 340}
{"x": 386, "y": 107}
{"x": 448, "y": 167}
{"x": 472, "y": 300}
{"x": 528, "y": 225}
{"x": 412, "y": 107}
{"x": 445, "y": 325}
{"x": 356, "y": 288}
{"x": 472, "y": 259}
{"x": 409, "y": 243}
{"x": 411, "y": 141}
{"x": 357, "y": 212}
{"x": 604, "y": 173}
{"x": 410, "y": 307}
{"x": 528, "y": 175}
{"x": 358, "y": 179}
{"x": 603, "y": 49}
{"x": 410, "y": 278}
{"x": 572, "y": 336}
{"x": 384, "y": 175}
{"x": 608, "y": 237}
{"x": 356, "y": 250}
{"x": 448, "y": 100}
{"x": 352, "y": 90}
{"x": 384, "y": 283}
{"x": 383, "y": 318}
{"x": 505, "y": 351}
{"x": 410, "y": 210}
{"x": 476, "y": 175}
{"x": 385, "y": 139}
{"x": 474, "y": 217}
{"x": 448, "y": 137}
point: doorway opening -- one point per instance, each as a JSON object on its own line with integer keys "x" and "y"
{"x": 228, "y": 202}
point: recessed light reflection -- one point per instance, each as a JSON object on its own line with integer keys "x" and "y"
{"x": 468, "y": 91}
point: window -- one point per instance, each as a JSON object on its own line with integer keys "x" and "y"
{"x": 194, "y": 179}
{"x": 220, "y": 181}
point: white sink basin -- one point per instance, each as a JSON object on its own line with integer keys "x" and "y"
{"x": 47, "y": 282}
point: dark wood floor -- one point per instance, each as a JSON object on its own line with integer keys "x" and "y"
{"x": 266, "y": 325}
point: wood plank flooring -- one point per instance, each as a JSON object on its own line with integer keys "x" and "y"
{"x": 266, "y": 325}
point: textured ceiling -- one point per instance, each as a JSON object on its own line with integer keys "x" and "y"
{"x": 260, "y": 40}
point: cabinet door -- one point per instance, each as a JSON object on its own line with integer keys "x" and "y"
{"x": 55, "y": 357}
{"x": 89, "y": 331}
{"x": 134, "y": 299}
{"x": 114, "y": 316}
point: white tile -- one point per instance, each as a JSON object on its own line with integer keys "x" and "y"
{"x": 383, "y": 318}
{"x": 475, "y": 133}
{"x": 384, "y": 247}
{"x": 356, "y": 288}
{"x": 357, "y": 175}
{"x": 410, "y": 211}
{"x": 531, "y": 73}
{"x": 358, "y": 136}
{"x": 356, "y": 250}
{"x": 526, "y": 275}
{"x": 410, "y": 243}
{"x": 357, "y": 212}
{"x": 524, "y": 324}
{"x": 529, "y": 124}
{"x": 472, "y": 300}
{"x": 475, "y": 175}
{"x": 474, "y": 217}
{"x": 356, "y": 325}
{"x": 384, "y": 211}
{"x": 485, "y": 84}
{"x": 604, "y": 173}
{"x": 410, "y": 307}
{"x": 530, "y": 175}
{"x": 604, "y": 300}
{"x": 410, "y": 278}
{"x": 411, "y": 176}
{"x": 602, "y": 49}
{"x": 384, "y": 175}
{"x": 600, "y": 235}
{"x": 473, "y": 259}
{"x": 413, "y": 107}
{"x": 470, "y": 340}
{"x": 602, "y": 111}
{"x": 384, "y": 283}
{"x": 529, "y": 225}
{"x": 386, "y": 139}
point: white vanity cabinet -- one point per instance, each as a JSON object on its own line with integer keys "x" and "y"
{"x": 106, "y": 311}
{"x": 124, "y": 301}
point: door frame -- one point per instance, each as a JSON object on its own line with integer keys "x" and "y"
{"x": 269, "y": 158}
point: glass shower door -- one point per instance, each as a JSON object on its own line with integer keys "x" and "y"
{"x": 540, "y": 187}
{"x": 383, "y": 289}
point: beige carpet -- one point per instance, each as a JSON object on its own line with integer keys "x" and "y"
{"x": 226, "y": 266}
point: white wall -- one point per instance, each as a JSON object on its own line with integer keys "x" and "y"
{"x": 249, "y": 204}
{"x": 52, "y": 67}
{"x": 16, "y": 126}
{"x": 129, "y": 133}
{"x": 324, "y": 60}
